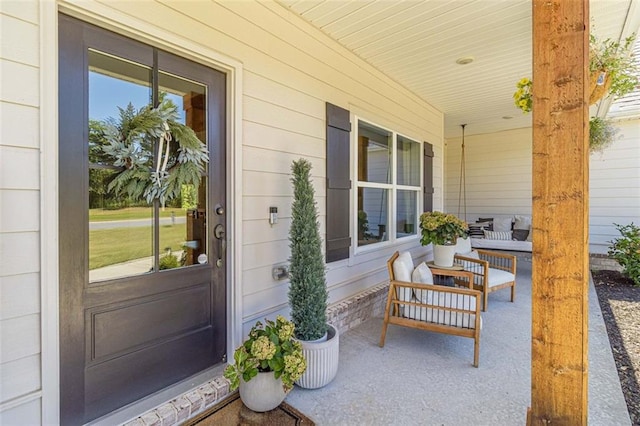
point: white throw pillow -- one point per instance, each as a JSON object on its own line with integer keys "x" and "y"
{"x": 530, "y": 236}
{"x": 498, "y": 235}
{"x": 502, "y": 224}
{"x": 522, "y": 222}
{"x": 403, "y": 267}
{"x": 463, "y": 245}
{"x": 422, "y": 274}
{"x": 473, "y": 254}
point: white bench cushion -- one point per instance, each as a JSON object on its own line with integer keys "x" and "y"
{"x": 496, "y": 276}
{"x": 440, "y": 316}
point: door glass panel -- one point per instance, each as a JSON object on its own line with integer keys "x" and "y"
{"x": 406, "y": 213}
{"x": 408, "y": 152}
{"x": 120, "y": 228}
{"x": 183, "y": 220}
{"x": 372, "y": 217}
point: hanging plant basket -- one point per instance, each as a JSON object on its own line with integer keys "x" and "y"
{"x": 599, "y": 85}
{"x": 156, "y": 153}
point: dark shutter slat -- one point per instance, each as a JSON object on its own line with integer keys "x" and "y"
{"x": 338, "y": 183}
{"x": 427, "y": 179}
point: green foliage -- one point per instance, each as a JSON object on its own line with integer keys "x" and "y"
{"x": 441, "y": 228}
{"x": 616, "y": 60}
{"x": 626, "y": 251}
{"x": 270, "y": 347}
{"x": 189, "y": 197}
{"x": 363, "y": 226}
{"x": 168, "y": 260}
{"x": 307, "y": 290}
{"x": 157, "y": 153}
{"x": 602, "y": 133}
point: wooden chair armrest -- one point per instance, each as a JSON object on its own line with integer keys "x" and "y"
{"x": 496, "y": 254}
{"x": 504, "y": 261}
{"x": 470, "y": 259}
{"x": 436, "y": 287}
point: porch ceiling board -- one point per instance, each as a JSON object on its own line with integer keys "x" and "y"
{"x": 417, "y": 43}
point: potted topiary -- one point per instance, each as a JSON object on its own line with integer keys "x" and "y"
{"x": 266, "y": 365}
{"x": 308, "y": 288}
{"x": 442, "y": 230}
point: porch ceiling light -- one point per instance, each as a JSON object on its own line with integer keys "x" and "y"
{"x": 465, "y": 60}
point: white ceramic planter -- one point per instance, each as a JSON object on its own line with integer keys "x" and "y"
{"x": 443, "y": 255}
{"x": 262, "y": 393}
{"x": 322, "y": 360}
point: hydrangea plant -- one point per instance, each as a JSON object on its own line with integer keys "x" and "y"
{"x": 441, "y": 228}
{"x": 270, "y": 347}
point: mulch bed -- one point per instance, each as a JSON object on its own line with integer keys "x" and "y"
{"x": 620, "y": 304}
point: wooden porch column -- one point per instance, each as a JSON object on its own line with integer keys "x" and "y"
{"x": 560, "y": 213}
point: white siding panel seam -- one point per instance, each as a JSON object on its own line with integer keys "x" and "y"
{"x": 270, "y": 101}
{"x": 24, "y": 399}
{"x": 269, "y": 124}
{"x": 25, "y": 94}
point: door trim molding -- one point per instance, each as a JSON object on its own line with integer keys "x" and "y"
{"x": 105, "y": 17}
{"x": 49, "y": 256}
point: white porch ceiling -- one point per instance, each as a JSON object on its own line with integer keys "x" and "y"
{"x": 417, "y": 43}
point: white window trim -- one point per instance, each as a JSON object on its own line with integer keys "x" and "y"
{"x": 393, "y": 187}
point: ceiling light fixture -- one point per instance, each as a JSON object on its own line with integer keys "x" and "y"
{"x": 507, "y": 117}
{"x": 465, "y": 60}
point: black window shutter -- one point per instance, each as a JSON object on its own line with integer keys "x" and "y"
{"x": 338, "y": 183}
{"x": 427, "y": 179}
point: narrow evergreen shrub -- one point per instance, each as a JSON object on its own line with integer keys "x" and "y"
{"x": 626, "y": 251}
{"x": 307, "y": 289}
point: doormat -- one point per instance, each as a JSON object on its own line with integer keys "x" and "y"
{"x": 232, "y": 411}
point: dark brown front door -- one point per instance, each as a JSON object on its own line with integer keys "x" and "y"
{"x": 142, "y": 280}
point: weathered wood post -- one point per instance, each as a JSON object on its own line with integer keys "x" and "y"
{"x": 560, "y": 213}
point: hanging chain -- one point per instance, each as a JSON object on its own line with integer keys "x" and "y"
{"x": 462, "y": 190}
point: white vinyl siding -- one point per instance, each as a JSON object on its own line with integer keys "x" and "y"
{"x": 499, "y": 177}
{"x": 614, "y": 187}
{"x": 20, "y": 246}
{"x": 497, "y": 174}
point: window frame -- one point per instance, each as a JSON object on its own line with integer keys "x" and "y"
{"x": 393, "y": 187}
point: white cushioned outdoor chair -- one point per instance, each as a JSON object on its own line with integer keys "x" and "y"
{"x": 492, "y": 270}
{"x": 414, "y": 301}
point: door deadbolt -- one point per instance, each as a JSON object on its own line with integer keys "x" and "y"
{"x": 218, "y": 231}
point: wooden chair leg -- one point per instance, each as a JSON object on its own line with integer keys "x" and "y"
{"x": 485, "y": 299}
{"x": 513, "y": 292}
{"x": 476, "y": 351}
{"x": 387, "y": 309}
{"x": 384, "y": 333}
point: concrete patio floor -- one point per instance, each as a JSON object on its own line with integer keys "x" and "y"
{"x": 425, "y": 378}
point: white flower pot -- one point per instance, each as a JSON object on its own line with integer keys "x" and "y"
{"x": 322, "y": 360}
{"x": 262, "y": 393}
{"x": 443, "y": 255}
